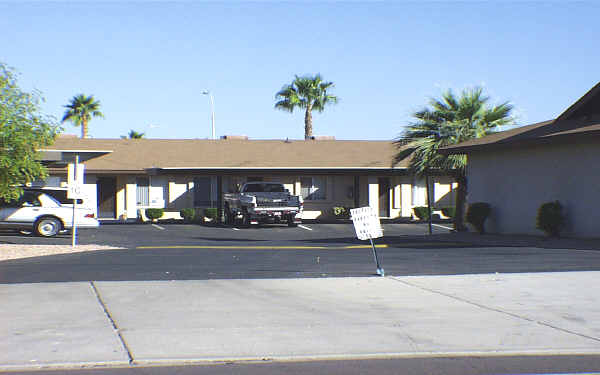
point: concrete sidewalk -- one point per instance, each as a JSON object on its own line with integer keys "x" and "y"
{"x": 115, "y": 323}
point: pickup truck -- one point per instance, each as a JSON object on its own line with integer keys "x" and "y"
{"x": 262, "y": 202}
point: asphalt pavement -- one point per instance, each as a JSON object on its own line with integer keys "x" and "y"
{"x": 192, "y": 252}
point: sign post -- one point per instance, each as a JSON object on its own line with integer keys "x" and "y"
{"x": 75, "y": 183}
{"x": 367, "y": 226}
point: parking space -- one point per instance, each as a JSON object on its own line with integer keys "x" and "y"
{"x": 135, "y": 235}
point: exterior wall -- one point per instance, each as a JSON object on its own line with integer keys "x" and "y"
{"x": 121, "y": 198}
{"x": 373, "y": 189}
{"x": 517, "y": 182}
{"x": 175, "y": 192}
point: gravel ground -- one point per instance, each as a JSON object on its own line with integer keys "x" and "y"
{"x": 27, "y": 251}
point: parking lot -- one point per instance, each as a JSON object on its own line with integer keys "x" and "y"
{"x": 135, "y": 235}
{"x": 194, "y": 252}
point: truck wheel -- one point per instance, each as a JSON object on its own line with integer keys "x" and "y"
{"x": 47, "y": 227}
{"x": 291, "y": 221}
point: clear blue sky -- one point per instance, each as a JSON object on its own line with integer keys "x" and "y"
{"x": 148, "y": 62}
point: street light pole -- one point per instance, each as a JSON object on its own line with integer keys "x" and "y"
{"x": 212, "y": 111}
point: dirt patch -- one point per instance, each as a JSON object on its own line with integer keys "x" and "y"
{"x": 27, "y": 251}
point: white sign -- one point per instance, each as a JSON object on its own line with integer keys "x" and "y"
{"x": 75, "y": 178}
{"x": 76, "y": 191}
{"x": 366, "y": 223}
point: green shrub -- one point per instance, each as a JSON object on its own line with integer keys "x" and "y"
{"x": 341, "y": 212}
{"x": 550, "y": 218}
{"x": 421, "y": 212}
{"x": 449, "y": 211}
{"x": 211, "y": 213}
{"x": 154, "y": 213}
{"x": 477, "y": 213}
{"x": 188, "y": 214}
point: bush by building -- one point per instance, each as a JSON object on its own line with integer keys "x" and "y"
{"x": 154, "y": 213}
{"x": 211, "y": 213}
{"x": 188, "y": 214}
{"x": 421, "y": 212}
{"x": 477, "y": 213}
{"x": 550, "y": 218}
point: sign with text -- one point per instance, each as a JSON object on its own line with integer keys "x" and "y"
{"x": 76, "y": 191}
{"x": 366, "y": 223}
{"x": 75, "y": 181}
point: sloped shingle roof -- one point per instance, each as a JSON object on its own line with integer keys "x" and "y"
{"x": 581, "y": 118}
{"x": 136, "y": 155}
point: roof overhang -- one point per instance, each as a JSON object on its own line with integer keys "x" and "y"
{"x": 277, "y": 171}
{"x": 554, "y": 138}
{"x": 58, "y": 158}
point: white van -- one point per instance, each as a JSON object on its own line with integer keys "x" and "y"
{"x": 41, "y": 213}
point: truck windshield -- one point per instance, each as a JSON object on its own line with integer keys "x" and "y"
{"x": 263, "y": 188}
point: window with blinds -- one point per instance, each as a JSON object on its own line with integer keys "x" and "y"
{"x": 143, "y": 191}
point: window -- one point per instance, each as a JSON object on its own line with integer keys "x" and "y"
{"x": 143, "y": 191}
{"x": 419, "y": 193}
{"x": 263, "y": 188}
{"x": 313, "y": 188}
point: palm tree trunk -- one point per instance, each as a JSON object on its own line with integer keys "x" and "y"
{"x": 461, "y": 202}
{"x": 428, "y": 203}
{"x": 308, "y": 128}
{"x": 84, "y": 128}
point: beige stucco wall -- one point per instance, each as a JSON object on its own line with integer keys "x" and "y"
{"x": 174, "y": 192}
{"x": 517, "y": 182}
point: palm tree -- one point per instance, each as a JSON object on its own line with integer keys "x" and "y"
{"x": 309, "y": 93}
{"x": 446, "y": 122}
{"x": 80, "y": 111}
{"x": 133, "y": 135}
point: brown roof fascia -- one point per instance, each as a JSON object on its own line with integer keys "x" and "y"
{"x": 590, "y": 95}
{"x": 504, "y": 137}
{"x": 555, "y": 138}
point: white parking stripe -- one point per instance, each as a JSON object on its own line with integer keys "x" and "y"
{"x": 235, "y": 228}
{"x": 441, "y": 226}
{"x": 158, "y": 226}
{"x": 303, "y": 227}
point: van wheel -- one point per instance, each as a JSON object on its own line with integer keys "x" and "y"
{"x": 47, "y": 227}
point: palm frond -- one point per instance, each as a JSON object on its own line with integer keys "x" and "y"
{"x": 449, "y": 120}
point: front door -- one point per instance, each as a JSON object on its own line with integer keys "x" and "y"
{"x": 107, "y": 190}
{"x": 384, "y": 196}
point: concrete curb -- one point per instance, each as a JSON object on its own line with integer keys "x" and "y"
{"x": 283, "y": 359}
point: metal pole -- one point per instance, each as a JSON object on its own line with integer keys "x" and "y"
{"x": 74, "y": 223}
{"x": 212, "y": 114}
{"x": 380, "y": 270}
{"x": 428, "y": 203}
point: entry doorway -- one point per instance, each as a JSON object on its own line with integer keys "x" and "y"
{"x": 107, "y": 191}
{"x": 384, "y": 196}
